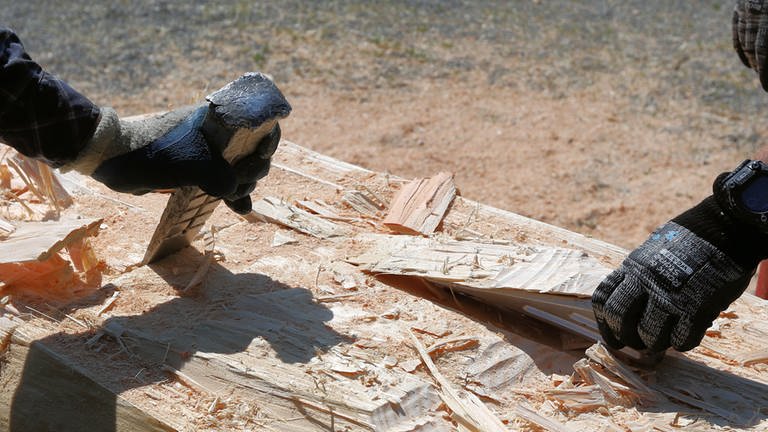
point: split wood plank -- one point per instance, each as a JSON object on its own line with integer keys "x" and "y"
{"x": 421, "y": 204}
{"x": 485, "y": 266}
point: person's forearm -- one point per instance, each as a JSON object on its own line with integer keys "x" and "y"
{"x": 40, "y": 116}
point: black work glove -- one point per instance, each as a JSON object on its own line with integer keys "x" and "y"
{"x": 183, "y": 157}
{"x": 750, "y": 36}
{"x": 184, "y": 147}
{"x": 668, "y": 291}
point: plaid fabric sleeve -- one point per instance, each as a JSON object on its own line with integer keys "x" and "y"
{"x": 41, "y": 116}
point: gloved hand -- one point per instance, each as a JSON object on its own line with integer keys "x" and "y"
{"x": 184, "y": 147}
{"x": 668, "y": 291}
{"x": 750, "y": 36}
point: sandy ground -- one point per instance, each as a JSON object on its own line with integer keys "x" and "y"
{"x": 603, "y": 117}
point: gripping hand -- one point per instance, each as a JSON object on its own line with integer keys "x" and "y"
{"x": 668, "y": 291}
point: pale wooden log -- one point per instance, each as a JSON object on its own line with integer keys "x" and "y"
{"x": 420, "y": 205}
{"x": 272, "y": 351}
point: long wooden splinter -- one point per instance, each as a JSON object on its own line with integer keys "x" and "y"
{"x": 240, "y": 115}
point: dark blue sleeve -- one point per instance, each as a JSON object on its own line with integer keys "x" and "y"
{"x": 41, "y": 116}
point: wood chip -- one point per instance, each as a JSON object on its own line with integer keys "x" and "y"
{"x": 581, "y": 399}
{"x": 364, "y": 201}
{"x": 323, "y": 209}
{"x": 461, "y": 343}
{"x": 281, "y": 238}
{"x": 41, "y": 181}
{"x": 36, "y": 241}
{"x": 277, "y": 211}
{"x": 209, "y": 239}
{"x": 51, "y": 260}
{"x": 6, "y": 228}
{"x": 421, "y": 204}
{"x": 109, "y": 303}
{"x": 539, "y": 420}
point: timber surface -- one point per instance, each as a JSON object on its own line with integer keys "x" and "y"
{"x": 285, "y": 333}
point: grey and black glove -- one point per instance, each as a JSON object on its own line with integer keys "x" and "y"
{"x": 750, "y": 36}
{"x": 184, "y": 147}
{"x": 668, "y": 291}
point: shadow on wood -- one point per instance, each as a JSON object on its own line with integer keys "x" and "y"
{"x": 172, "y": 335}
